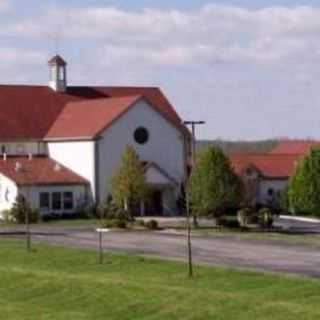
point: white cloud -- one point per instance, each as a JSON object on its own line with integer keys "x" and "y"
{"x": 10, "y": 57}
{"x": 212, "y": 33}
{"x": 4, "y": 4}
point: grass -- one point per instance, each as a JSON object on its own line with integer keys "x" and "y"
{"x": 58, "y": 283}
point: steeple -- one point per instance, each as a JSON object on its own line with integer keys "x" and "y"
{"x": 58, "y": 74}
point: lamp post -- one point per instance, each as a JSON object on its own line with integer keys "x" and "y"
{"x": 193, "y": 148}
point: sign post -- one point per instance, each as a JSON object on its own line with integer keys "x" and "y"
{"x": 100, "y": 232}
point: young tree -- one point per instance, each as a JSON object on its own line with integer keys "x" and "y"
{"x": 128, "y": 184}
{"x": 304, "y": 187}
{"x": 213, "y": 185}
{"x": 21, "y": 208}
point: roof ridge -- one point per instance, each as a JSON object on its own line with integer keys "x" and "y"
{"x": 94, "y": 100}
{"x": 23, "y": 85}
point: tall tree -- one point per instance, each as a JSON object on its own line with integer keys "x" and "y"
{"x": 304, "y": 187}
{"x": 213, "y": 185}
{"x": 128, "y": 184}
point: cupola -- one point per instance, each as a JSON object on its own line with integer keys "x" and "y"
{"x": 58, "y": 74}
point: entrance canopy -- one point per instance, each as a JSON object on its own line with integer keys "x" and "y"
{"x": 157, "y": 176}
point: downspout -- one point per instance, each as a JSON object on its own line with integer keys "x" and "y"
{"x": 96, "y": 171}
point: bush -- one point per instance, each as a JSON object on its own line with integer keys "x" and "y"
{"x": 86, "y": 212}
{"x": 34, "y": 216}
{"x": 6, "y": 216}
{"x": 140, "y": 223}
{"x": 227, "y": 222}
{"x": 115, "y": 223}
{"x": 245, "y": 216}
{"x": 20, "y": 208}
{"x": 152, "y": 224}
{"x": 265, "y": 217}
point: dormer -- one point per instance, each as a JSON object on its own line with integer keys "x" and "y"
{"x": 58, "y": 74}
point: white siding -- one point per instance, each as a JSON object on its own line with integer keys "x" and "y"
{"x": 169, "y": 200}
{"x": 153, "y": 176}
{"x": 165, "y": 146}
{"x": 265, "y": 185}
{"x": 8, "y": 193}
{"x": 76, "y": 155}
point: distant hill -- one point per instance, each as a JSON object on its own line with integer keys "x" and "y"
{"x": 261, "y": 146}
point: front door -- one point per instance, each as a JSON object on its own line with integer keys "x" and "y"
{"x": 154, "y": 206}
{"x": 157, "y": 202}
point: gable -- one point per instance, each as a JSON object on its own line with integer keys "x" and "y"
{"x": 86, "y": 119}
{"x": 156, "y": 176}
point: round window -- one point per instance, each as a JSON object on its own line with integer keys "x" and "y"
{"x": 141, "y": 135}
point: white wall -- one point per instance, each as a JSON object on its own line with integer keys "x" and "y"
{"x": 169, "y": 200}
{"x": 18, "y": 148}
{"x": 265, "y": 185}
{"x": 153, "y": 176}
{"x": 77, "y": 156}
{"x": 165, "y": 146}
{"x": 8, "y": 193}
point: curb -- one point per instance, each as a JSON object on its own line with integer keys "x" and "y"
{"x": 302, "y": 219}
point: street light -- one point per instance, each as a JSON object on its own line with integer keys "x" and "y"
{"x": 193, "y": 146}
{"x": 193, "y": 125}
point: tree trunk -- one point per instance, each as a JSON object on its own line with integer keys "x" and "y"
{"x": 195, "y": 221}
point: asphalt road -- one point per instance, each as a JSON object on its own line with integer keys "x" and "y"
{"x": 252, "y": 254}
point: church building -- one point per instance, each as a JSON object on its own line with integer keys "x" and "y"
{"x": 60, "y": 144}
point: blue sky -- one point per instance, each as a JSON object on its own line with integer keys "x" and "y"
{"x": 251, "y": 69}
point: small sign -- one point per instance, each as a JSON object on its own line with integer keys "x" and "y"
{"x": 102, "y": 230}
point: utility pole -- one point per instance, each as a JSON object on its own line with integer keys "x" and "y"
{"x": 193, "y": 146}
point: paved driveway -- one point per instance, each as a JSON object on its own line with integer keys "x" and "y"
{"x": 253, "y": 254}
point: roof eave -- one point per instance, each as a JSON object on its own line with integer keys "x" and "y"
{"x": 36, "y": 184}
{"x": 61, "y": 139}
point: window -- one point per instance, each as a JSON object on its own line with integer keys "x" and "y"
{"x": 141, "y": 135}
{"x": 68, "y": 200}
{"x": 61, "y": 73}
{"x": 44, "y": 200}
{"x": 249, "y": 172}
{"x": 51, "y": 75}
{"x": 56, "y": 201}
{"x": 7, "y": 194}
{"x": 270, "y": 192}
{"x": 20, "y": 149}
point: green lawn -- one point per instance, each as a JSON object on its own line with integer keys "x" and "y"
{"x": 57, "y": 283}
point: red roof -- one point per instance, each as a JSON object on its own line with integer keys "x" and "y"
{"x": 294, "y": 147}
{"x": 91, "y": 116}
{"x": 39, "y": 170}
{"x": 30, "y": 112}
{"x": 269, "y": 165}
